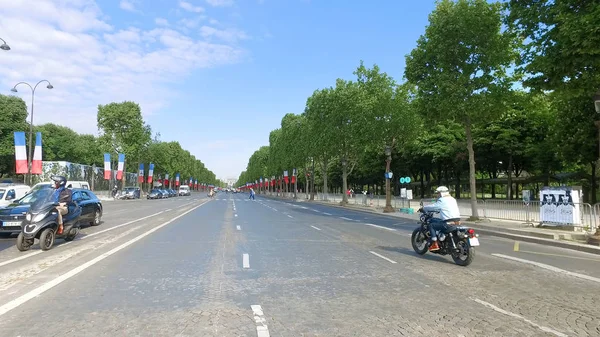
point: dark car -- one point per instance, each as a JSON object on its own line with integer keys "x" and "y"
{"x": 91, "y": 206}
{"x": 155, "y": 194}
{"x": 12, "y": 215}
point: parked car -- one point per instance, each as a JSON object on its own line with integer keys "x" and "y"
{"x": 12, "y": 215}
{"x": 12, "y": 192}
{"x": 155, "y": 194}
{"x": 131, "y": 192}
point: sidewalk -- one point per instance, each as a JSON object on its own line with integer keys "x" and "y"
{"x": 500, "y": 228}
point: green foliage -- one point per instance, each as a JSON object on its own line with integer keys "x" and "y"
{"x": 13, "y": 115}
{"x": 122, "y": 129}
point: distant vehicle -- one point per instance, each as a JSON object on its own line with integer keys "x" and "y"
{"x": 184, "y": 190}
{"x": 70, "y": 184}
{"x": 9, "y": 193}
{"x": 155, "y": 194}
{"x": 131, "y": 192}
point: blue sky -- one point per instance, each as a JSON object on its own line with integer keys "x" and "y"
{"x": 215, "y": 75}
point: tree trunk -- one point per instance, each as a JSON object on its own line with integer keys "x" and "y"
{"x": 509, "y": 187}
{"x": 472, "y": 182}
{"x": 344, "y": 184}
{"x": 313, "y": 190}
{"x": 594, "y": 185}
{"x": 324, "y": 167}
{"x": 422, "y": 184}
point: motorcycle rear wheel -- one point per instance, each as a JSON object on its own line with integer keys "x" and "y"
{"x": 467, "y": 257}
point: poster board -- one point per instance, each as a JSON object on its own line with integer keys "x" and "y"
{"x": 560, "y": 205}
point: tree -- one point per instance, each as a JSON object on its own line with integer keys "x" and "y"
{"x": 459, "y": 67}
{"x": 13, "y": 116}
{"x": 321, "y": 143}
{"x": 561, "y": 44}
{"x": 123, "y": 130}
{"x": 387, "y": 113}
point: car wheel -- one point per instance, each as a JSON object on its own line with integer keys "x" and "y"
{"x": 97, "y": 217}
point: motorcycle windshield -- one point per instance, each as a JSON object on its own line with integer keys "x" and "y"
{"x": 42, "y": 199}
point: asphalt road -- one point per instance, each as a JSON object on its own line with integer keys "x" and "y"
{"x": 235, "y": 267}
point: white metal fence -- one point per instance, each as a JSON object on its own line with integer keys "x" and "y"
{"x": 582, "y": 216}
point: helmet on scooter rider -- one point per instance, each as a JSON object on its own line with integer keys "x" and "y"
{"x": 443, "y": 191}
{"x": 59, "y": 181}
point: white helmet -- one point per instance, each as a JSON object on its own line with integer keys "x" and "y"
{"x": 443, "y": 190}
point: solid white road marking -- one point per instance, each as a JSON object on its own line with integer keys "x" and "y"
{"x": 326, "y": 213}
{"x": 261, "y": 322}
{"x": 386, "y": 228}
{"x": 381, "y": 256}
{"x": 52, "y": 283}
{"x": 317, "y": 228}
{"x": 121, "y": 225}
{"x": 508, "y": 313}
{"x": 246, "y": 260}
{"x": 549, "y": 267}
{"x": 3, "y": 263}
{"x": 344, "y": 218}
{"x": 239, "y": 228}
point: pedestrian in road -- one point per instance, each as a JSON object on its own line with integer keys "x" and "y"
{"x": 252, "y": 193}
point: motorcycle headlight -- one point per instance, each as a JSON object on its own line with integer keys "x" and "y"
{"x": 28, "y": 217}
{"x": 39, "y": 217}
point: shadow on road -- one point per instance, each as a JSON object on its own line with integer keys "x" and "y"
{"x": 411, "y": 252}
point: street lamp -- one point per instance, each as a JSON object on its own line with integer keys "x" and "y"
{"x": 30, "y": 156}
{"x": 388, "y": 195}
{"x": 4, "y": 46}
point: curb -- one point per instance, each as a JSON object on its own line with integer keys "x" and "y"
{"x": 524, "y": 238}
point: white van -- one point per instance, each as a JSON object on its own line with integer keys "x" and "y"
{"x": 70, "y": 184}
{"x": 11, "y": 192}
{"x": 184, "y": 190}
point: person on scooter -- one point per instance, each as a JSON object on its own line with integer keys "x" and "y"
{"x": 448, "y": 208}
{"x": 63, "y": 197}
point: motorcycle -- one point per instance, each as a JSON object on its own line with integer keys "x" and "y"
{"x": 41, "y": 222}
{"x": 458, "y": 241}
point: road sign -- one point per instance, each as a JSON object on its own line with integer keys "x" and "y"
{"x": 405, "y": 180}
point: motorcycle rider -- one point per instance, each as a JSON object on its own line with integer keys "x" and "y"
{"x": 62, "y": 196}
{"x": 448, "y": 208}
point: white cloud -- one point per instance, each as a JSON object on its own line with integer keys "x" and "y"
{"x": 161, "y": 22}
{"x": 220, "y": 3}
{"x": 191, "y": 23}
{"x": 190, "y": 8}
{"x": 90, "y": 62}
{"x": 128, "y": 5}
{"x": 229, "y": 35}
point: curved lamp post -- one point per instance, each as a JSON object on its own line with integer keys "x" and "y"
{"x": 388, "y": 195}
{"x": 30, "y": 156}
{"x": 4, "y": 46}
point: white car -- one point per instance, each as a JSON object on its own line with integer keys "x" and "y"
{"x": 11, "y": 192}
{"x": 184, "y": 190}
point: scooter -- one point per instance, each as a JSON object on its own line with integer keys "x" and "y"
{"x": 41, "y": 222}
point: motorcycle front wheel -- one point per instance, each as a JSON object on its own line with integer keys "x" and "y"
{"x": 419, "y": 241}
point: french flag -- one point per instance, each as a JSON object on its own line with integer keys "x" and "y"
{"x": 20, "y": 153}
{"x": 167, "y": 179}
{"x": 150, "y": 173}
{"x": 107, "y": 167}
{"x": 141, "y": 173}
{"x": 177, "y": 179}
{"x": 36, "y": 164}
{"x": 120, "y": 166}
